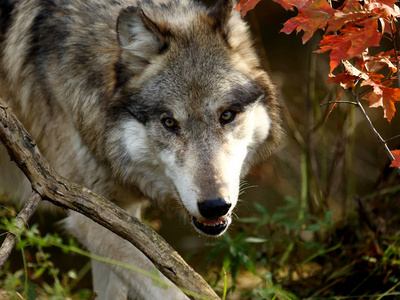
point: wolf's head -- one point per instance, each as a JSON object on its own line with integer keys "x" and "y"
{"x": 194, "y": 108}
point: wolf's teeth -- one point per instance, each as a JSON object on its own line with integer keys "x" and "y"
{"x": 212, "y": 223}
{"x": 211, "y": 227}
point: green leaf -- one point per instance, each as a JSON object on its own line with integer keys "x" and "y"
{"x": 261, "y": 209}
{"x": 279, "y": 215}
{"x": 314, "y": 227}
{"x": 292, "y": 224}
{"x": 292, "y": 201}
{"x": 249, "y": 220}
{"x": 31, "y": 288}
{"x": 328, "y": 216}
{"x": 32, "y": 294}
{"x": 255, "y": 240}
{"x": 39, "y": 272}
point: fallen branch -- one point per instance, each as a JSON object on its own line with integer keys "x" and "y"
{"x": 58, "y": 190}
{"x": 20, "y": 221}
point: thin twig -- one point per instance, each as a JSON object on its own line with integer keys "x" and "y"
{"x": 292, "y": 125}
{"x": 20, "y": 222}
{"x": 392, "y": 138}
{"x": 335, "y": 102}
{"x": 371, "y": 126}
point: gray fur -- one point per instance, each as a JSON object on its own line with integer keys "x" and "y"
{"x": 96, "y": 82}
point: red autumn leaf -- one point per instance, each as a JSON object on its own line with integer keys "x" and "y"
{"x": 382, "y": 95}
{"x": 390, "y": 3}
{"x": 351, "y": 41}
{"x": 386, "y": 9}
{"x": 334, "y": 105}
{"x": 289, "y": 4}
{"x": 396, "y": 161}
{"x": 374, "y": 64}
{"x": 349, "y": 77}
{"x": 363, "y": 38}
{"x": 338, "y": 45}
{"x": 351, "y": 5}
{"x": 341, "y": 18}
{"x": 313, "y": 15}
{"x": 345, "y": 80}
{"x": 245, "y": 5}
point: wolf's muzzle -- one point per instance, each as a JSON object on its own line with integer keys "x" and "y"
{"x": 215, "y": 218}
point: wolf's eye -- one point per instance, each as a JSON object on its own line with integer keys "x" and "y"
{"x": 227, "y": 117}
{"x": 170, "y": 124}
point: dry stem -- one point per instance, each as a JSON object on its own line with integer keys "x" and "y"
{"x": 20, "y": 221}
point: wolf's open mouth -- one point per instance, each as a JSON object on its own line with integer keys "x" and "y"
{"x": 212, "y": 227}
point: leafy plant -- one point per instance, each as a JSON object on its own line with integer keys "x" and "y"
{"x": 264, "y": 249}
{"x": 28, "y": 282}
{"x": 351, "y": 254}
{"x": 351, "y": 30}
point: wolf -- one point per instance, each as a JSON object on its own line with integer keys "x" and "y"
{"x": 138, "y": 100}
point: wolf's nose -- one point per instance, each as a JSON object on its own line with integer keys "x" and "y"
{"x": 214, "y": 208}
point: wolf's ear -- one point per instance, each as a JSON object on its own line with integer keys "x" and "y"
{"x": 139, "y": 37}
{"x": 222, "y": 11}
{"x": 230, "y": 23}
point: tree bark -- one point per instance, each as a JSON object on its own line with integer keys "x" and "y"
{"x": 58, "y": 190}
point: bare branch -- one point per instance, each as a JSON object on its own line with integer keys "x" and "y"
{"x": 371, "y": 126}
{"x": 392, "y": 138}
{"x": 336, "y": 102}
{"x": 21, "y": 220}
{"x": 56, "y": 189}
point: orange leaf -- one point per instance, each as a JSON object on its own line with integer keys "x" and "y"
{"x": 374, "y": 64}
{"x": 289, "y": 4}
{"x": 396, "y": 161}
{"x": 363, "y": 38}
{"x": 352, "y": 41}
{"x": 341, "y": 18}
{"x": 334, "y": 105}
{"x": 386, "y": 9}
{"x": 313, "y": 15}
{"x": 351, "y": 5}
{"x": 338, "y": 45}
{"x": 346, "y": 80}
{"x": 349, "y": 77}
{"x": 246, "y": 5}
{"x": 382, "y": 95}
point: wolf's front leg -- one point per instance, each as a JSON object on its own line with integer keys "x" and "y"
{"x": 111, "y": 281}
